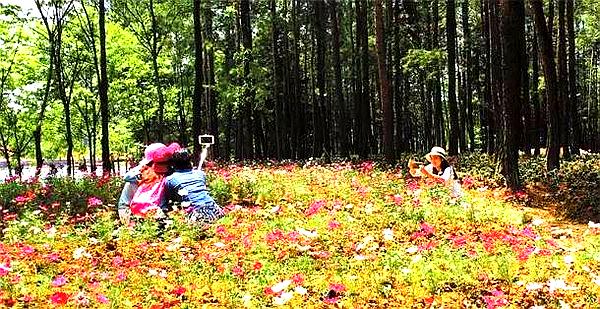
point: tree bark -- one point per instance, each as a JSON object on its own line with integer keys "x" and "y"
{"x": 384, "y": 92}
{"x": 198, "y": 79}
{"x": 538, "y": 126}
{"x": 513, "y": 37}
{"x": 547, "y": 55}
{"x": 563, "y": 81}
{"x": 103, "y": 90}
{"x": 452, "y": 104}
{"x": 573, "y": 100}
{"x": 343, "y": 128}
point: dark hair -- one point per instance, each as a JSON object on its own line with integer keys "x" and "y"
{"x": 181, "y": 160}
{"x": 445, "y": 164}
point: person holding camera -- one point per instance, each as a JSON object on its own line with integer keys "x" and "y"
{"x": 188, "y": 186}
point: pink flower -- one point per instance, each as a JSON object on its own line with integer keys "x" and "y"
{"x": 298, "y": 278}
{"x": 59, "y": 281}
{"x": 27, "y": 250}
{"x": 413, "y": 185}
{"x": 331, "y": 300}
{"x": 496, "y": 300}
{"x": 102, "y": 299}
{"x": 53, "y": 257}
{"x": 237, "y": 271}
{"x": 26, "y": 298}
{"x": 528, "y": 232}
{"x": 117, "y": 261}
{"x": 121, "y": 277}
{"x": 94, "y": 201}
{"x": 337, "y": 287}
{"x": 59, "y": 298}
{"x": 398, "y": 200}
{"x": 525, "y": 253}
{"x": 274, "y": 236}
{"x": 332, "y": 225}
{"x": 15, "y": 279}
{"x": 314, "y": 208}
{"x": 5, "y": 269}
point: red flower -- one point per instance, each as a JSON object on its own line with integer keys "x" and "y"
{"x": 178, "y": 291}
{"x": 298, "y": 278}
{"x": 59, "y": 298}
{"x": 257, "y": 266}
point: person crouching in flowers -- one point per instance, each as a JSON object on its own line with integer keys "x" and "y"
{"x": 188, "y": 186}
{"x": 143, "y": 192}
{"x": 440, "y": 170}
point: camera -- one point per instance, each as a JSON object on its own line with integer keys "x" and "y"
{"x": 206, "y": 139}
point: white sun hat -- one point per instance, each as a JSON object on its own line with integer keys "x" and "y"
{"x": 436, "y": 151}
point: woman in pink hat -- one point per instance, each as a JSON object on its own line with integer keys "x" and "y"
{"x": 144, "y": 184}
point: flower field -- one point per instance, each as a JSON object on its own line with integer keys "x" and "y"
{"x": 339, "y": 235}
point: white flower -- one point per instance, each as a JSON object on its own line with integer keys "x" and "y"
{"x": 281, "y": 286}
{"x": 80, "y": 252}
{"x": 593, "y": 225}
{"x": 152, "y": 272}
{"x": 586, "y": 268}
{"x": 412, "y": 250}
{"x": 405, "y": 271}
{"x": 51, "y": 232}
{"x": 416, "y": 258}
{"x": 303, "y": 248}
{"x": 388, "y": 234}
{"x": 349, "y": 206}
{"x": 220, "y": 245}
{"x": 559, "y": 284}
{"x": 360, "y": 257}
{"x": 5, "y": 267}
{"x": 246, "y": 300}
{"x": 163, "y": 274}
{"x": 538, "y": 307}
{"x": 534, "y": 286}
{"x": 300, "y": 290}
{"x": 185, "y": 204}
{"x": 537, "y": 222}
{"x": 283, "y": 299}
{"x": 275, "y": 209}
{"x": 369, "y": 209}
{"x": 307, "y": 234}
{"x": 564, "y": 305}
{"x": 569, "y": 259}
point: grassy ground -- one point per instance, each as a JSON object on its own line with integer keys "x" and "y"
{"x": 337, "y": 235}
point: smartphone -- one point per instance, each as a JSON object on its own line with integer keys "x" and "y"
{"x": 206, "y": 139}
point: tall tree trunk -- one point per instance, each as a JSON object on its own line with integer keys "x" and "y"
{"x": 496, "y": 60}
{"x": 573, "y": 101}
{"x": 547, "y": 55}
{"x": 198, "y": 79}
{"x": 485, "y": 109}
{"x": 513, "y": 35}
{"x": 343, "y": 128}
{"x": 452, "y": 104}
{"x": 211, "y": 97}
{"x": 154, "y": 55}
{"x": 103, "y": 91}
{"x": 438, "y": 105}
{"x": 364, "y": 137}
{"x": 535, "y": 96}
{"x": 468, "y": 80}
{"x": 384, "y": 92}
{"x": 563, "y": 83}
{"x": 319, "y": 102}
{"x": 246, "y": 117}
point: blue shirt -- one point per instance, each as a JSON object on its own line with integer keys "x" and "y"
{"x": 188, "y": 186}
